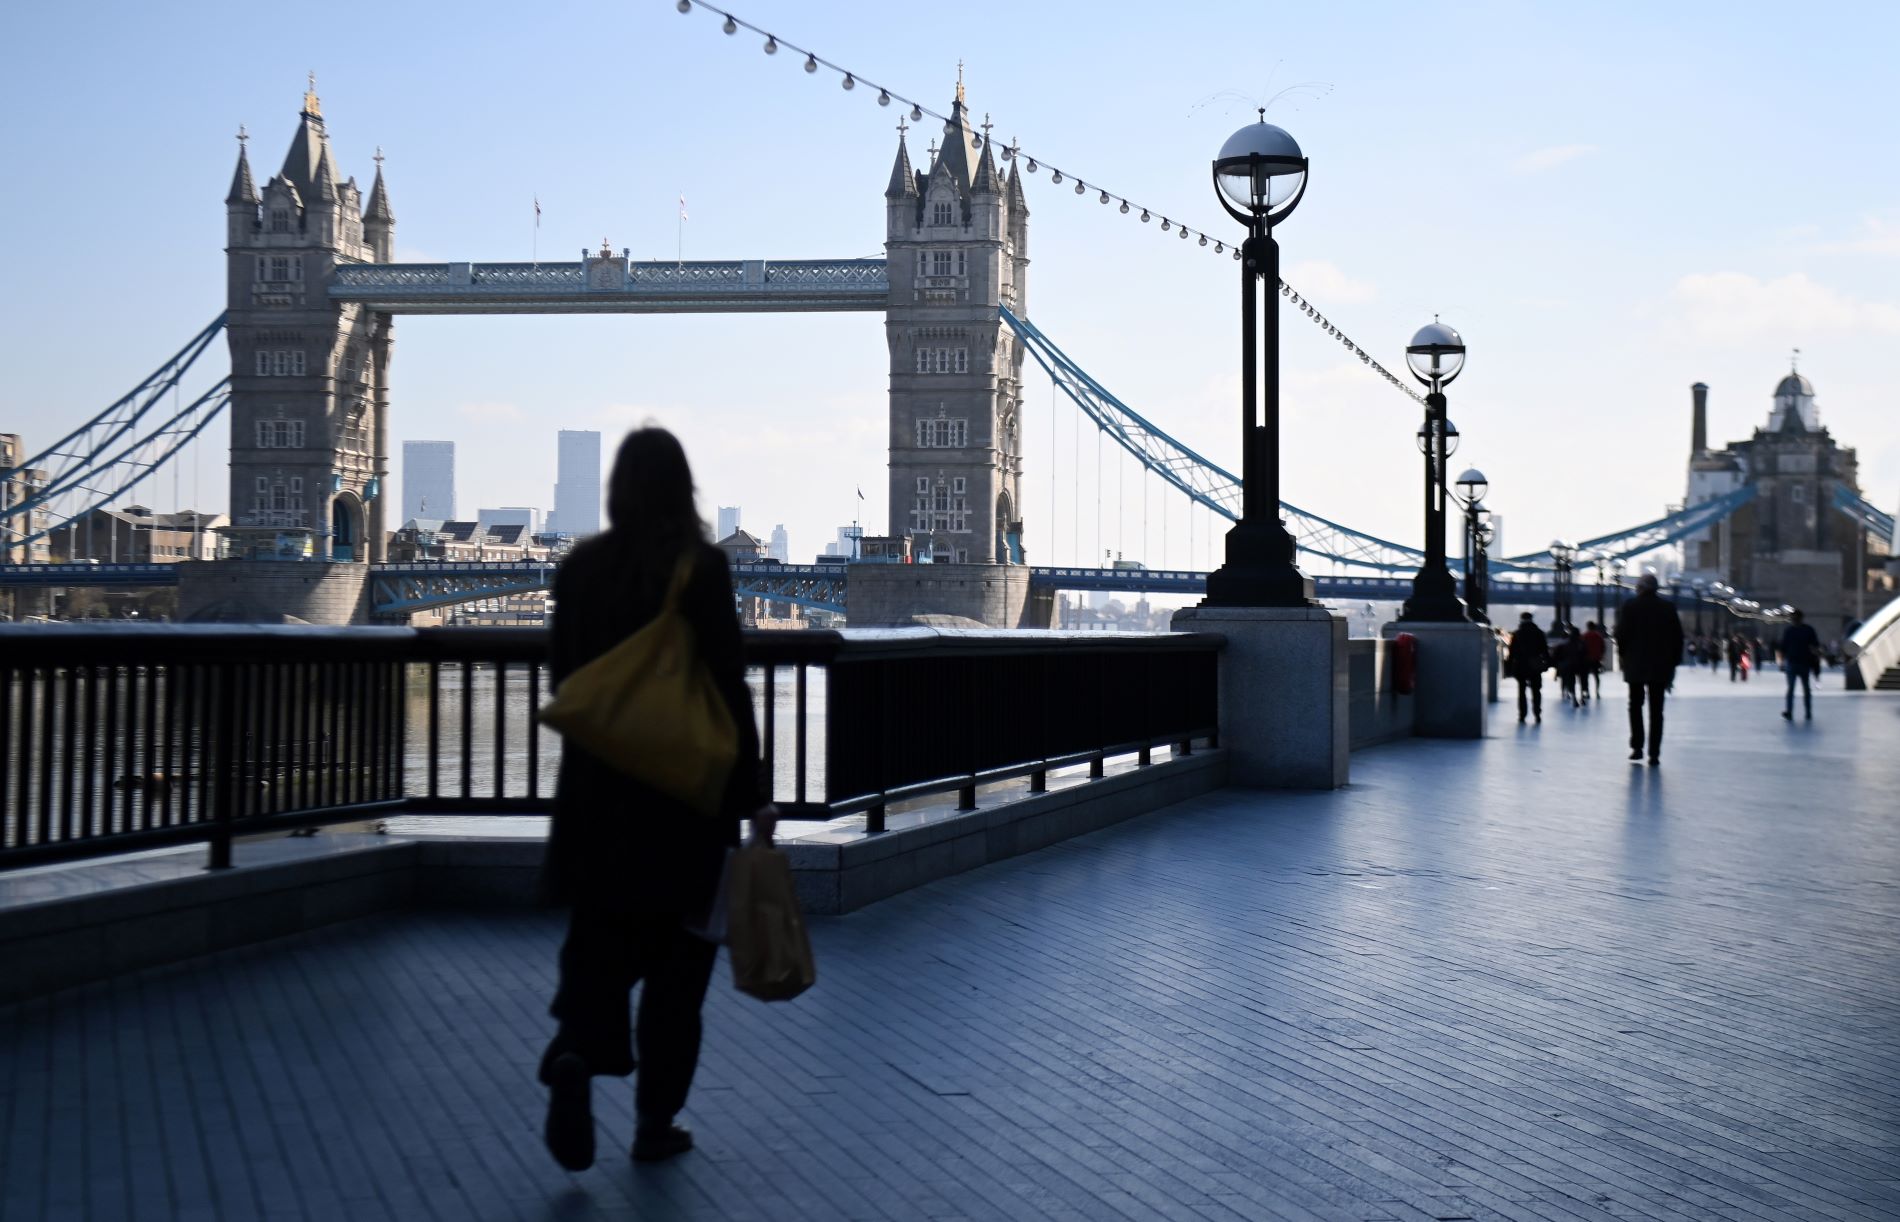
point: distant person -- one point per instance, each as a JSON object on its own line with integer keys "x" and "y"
{"x": 1800, "y": 650}
{"x": 1649, "y": 644}
{"x": 1595, "y": 645}
{"x": 636, "y": 866}
{"x": 1734, "y": 656}
{"x": 1527, "y": 661}
{"x": 1560, "y": 661}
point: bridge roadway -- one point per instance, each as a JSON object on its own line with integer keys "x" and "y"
{"x": 407, "y": 587}
{"x": 1511, "y": 979}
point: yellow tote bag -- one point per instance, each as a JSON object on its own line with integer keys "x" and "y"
{"x": 648, "y": 707}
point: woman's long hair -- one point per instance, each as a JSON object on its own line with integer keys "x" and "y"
{"x": 650, "y": 499}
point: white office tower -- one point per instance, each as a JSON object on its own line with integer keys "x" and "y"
{"x": 509, "y": 515}
{"x": 428, "y": 480}
{"x": 728, "y": 520}
{"x": 577, "y": 484}
{"x": 780, "y": 548}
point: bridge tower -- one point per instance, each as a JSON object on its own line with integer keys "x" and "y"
{"x": 956, "y": 241}
{"x": 309, "y": 378}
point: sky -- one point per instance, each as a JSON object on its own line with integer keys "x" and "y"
{"x": 1611, "y": 202}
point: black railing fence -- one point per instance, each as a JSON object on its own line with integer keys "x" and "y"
{"x": 122, "y": 737}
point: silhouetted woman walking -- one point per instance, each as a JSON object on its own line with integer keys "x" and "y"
{"x": 635, "y": 866}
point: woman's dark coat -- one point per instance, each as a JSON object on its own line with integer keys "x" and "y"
{"x": 615, "y": 842}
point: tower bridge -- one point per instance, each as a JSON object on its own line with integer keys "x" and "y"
{"x": 313, "y": 294}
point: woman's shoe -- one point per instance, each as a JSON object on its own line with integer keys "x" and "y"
{"x": 570, "y": 1126}
{"x": 658, "y": 1142}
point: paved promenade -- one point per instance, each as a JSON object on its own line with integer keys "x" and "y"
{"x": 1516, "y": 979}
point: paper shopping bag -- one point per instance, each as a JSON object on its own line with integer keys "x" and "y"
{"x": 771, "y": 956}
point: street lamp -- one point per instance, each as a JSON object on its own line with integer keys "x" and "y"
{"x": 1561, "y": 554}
{"x": 1603, "y": 565}
{"x": 1259, "y": 177}
{"x": 1436, "y": 355}
{"x": 1698, "y": 585}
{"x": 1471, "y": 487}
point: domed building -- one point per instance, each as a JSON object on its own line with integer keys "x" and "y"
{"x": 1789, "y": 543}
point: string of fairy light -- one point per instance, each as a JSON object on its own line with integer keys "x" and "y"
{"x": 1028, "y": 163}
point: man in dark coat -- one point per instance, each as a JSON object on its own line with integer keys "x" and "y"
{"x": 1529, "y": 658}
{"x": 1649, "y": 643}
{"x": 1800, "y": 649}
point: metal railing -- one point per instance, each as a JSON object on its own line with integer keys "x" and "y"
{"x": 118, "y": 738}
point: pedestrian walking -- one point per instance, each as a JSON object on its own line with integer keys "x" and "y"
{"x": 1734, "y": 656}
{"x": 1594, "y": 647}
{"x": 638, "y": 867}
{"x": 1528, "y": 659}
{"x": 1800, "y": 650}
{"x": 1649, "y": 645}
{"x": 1562, "y": 660}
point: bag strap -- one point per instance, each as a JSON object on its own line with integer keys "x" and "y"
{"x": 682, "y": 573}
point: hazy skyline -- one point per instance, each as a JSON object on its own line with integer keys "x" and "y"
{"x": 1610, "y": 206}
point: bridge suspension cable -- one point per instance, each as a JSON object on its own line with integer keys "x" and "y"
{"x": 1029, "y": 163}
{"x": 1203, "y": 481}
{"x": 116, "y": 450}
{"x": 1635, "y": 540}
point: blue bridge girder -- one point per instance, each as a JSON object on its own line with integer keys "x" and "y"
{"x": 42, "y": 576}
{"x": 616, "y": 286}
{"x": 402, "y": 588}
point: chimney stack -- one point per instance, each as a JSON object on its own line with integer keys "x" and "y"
{"x": 1699, "y": 439}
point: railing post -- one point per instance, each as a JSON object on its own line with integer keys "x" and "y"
{"x": 225, "y": 782}
{"x": 966, "y": 797}
{"x": 1039, "y": 781}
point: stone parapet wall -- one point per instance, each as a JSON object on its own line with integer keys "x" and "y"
{"x": 900, "y": 595}
{"x": 316, "y": 591}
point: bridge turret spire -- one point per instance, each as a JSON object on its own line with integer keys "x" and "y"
{"x": 903, "y": 178}
{"x": 379, "y": 222}
{"x": 243, "y": 186}
{"x": 986, "y": 182}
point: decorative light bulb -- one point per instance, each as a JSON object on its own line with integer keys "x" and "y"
{"x": 1184, "y": 233}
{"x": 1081, "y": 188}
{"x": 684, "y": 6}
{"x": 771, "y": 45}
{"x": 1236, "y": 255}
{"x": 1104, "y": 198}
{"x": 730, "y": 26}
{"x": 883, "y": 97}
{"x": 811, "y": 62}
{"x": 1144, "y": 216}
{"x": 1165, "y": 223}
{"x": 1031, "y": 167}
{"x": 1204, "y": 240}
{"x": 916, "y": 113}
{"x": 1124, "y": 208}
{"x": 850, "y": 82}
{"x": 1055, "y": 176}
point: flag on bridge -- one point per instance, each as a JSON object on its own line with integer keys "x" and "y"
{"x": 537, "y": 212}
{"x": 682, "y": 207}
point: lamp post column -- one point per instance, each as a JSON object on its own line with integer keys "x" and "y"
{"x": 1434, "y": 589}
{"x": 1259, "y": 570}
{"x": 1435, "y": 356}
